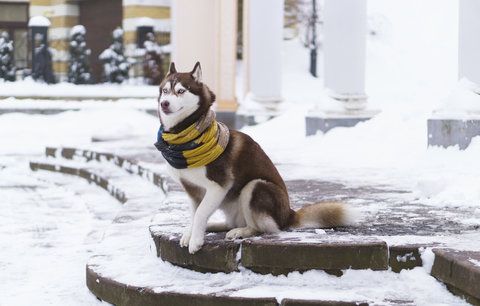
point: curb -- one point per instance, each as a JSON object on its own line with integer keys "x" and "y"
{"x": 460, "y": 270}
{"x": 121, "y": 162}
{"x": 85, "y": 174}
{"x": 120, "y": 294}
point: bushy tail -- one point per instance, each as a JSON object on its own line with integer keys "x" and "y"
{"x": 324, "y": 214}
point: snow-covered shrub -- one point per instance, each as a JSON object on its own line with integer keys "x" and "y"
{"x": 115, "y": 64}
{"x": 42, "y": 63}
{"x": 153, "y": 61}
{"x": 79, "y": 68}
{"x": 7, "y": 67}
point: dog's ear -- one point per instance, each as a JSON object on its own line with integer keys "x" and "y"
{"x": 197, "y": 73}
{"x": 172, "y": 68}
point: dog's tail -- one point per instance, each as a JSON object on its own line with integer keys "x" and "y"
{"x": 324, "y": 214}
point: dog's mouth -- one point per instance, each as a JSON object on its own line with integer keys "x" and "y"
{"x": 168, "y": 111}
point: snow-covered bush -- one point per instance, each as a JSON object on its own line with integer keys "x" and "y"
{"x": 7, "y": 67}
{"x": 153, "y": 61}
{"x": 42, "y": 63}
{"x": 79, "y": 68}
{"x": 115, "y": 64}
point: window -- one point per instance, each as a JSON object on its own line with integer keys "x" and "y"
{"x": 14, "y": 21}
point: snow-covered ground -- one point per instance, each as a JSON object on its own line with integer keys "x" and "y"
{"x": 49, "y": 223}
{"x": 28, "y": 88}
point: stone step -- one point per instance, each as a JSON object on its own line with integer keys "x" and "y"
{"x": 84, "y": 173}
{"x": 406, "y": 257}
{"x": 260, "y": 255}
{"x": 217, "y": 254}
{"x": 275, "y": 255}
{"x": 129, "y": 165}
{"x": 122, "y": 294}
{"x": 460, "y": 271}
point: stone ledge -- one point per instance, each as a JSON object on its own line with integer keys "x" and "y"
{"x": 83, "y": 173}
{"x": 452, "y": 132}
{"x": 216, "y": 255}
{"x": 295, "y": 302}
{"x": 325, "y": 121}
{"x": 121, "y": 294}
{"x": 262, "y": 256}
{"x": 460, "y": 271}
{"x": 405, "y": 257}
{"x": 126, "y": 164}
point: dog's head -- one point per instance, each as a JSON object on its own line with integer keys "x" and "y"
{"x": 183, "y": 98}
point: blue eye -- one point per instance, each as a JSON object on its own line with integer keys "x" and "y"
{"x": 181, "y": 91}
{"x": 164, "y": 90}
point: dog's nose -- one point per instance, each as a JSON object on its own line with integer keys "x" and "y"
{"x": 165, "y": 104}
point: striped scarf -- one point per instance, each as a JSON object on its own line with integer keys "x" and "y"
{"x": 198, "y": 145}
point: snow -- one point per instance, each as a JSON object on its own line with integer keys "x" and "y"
{"x": 411, "y": 71}
{"x": 29, "y": 88}
{"x": 39, "y": 21}
{"x": 145, "y": 22}
{"x": 463, "y": 102}
{"x": 78, "y": 29}
{"x": 475, "y": 262}
{"x": 118, "y": 32}
{"x": 427, "y": 259}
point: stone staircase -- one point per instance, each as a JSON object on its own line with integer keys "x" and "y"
{"x": 125, "y": 271}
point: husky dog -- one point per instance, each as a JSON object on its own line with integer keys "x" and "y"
{"x": 242, "y": 181}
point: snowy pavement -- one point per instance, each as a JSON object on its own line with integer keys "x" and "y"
{"x": 49, "y": 226}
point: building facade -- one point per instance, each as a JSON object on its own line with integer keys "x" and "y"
{"x": 99, "y": 18}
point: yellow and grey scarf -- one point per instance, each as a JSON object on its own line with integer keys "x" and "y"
{"x": 198, "y": 145}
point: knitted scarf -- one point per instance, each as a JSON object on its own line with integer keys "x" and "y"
{"x": 198, "y": 145}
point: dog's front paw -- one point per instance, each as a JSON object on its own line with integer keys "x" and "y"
{"x": 195, "y": 244}
{"x": 235, "y": 233}
{"x": 185, "y": 238}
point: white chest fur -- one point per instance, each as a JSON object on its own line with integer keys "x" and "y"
{"x": 196, "y": 176}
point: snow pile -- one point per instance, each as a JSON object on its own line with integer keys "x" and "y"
{"x": 32, "y": 133}
{"x": 39, "y": 21}
{"x": 78, "y": 29}
{"x": 474, "y": 261}
{"x": 428, "y": 257}
{"x": 462, "y": 102}
{"x": 411, "y": 69}
{"x": 29, "y": 88}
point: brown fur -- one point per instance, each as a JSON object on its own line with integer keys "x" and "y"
{"x": 326, "y": 214}
{"x": 194, "y": 192}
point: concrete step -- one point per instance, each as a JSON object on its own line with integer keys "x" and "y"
{"x": 262, "y": 254}
{"x": 129, "y": 165}
{"x": 460, "y": 271}
{"x": 84, "y": 173}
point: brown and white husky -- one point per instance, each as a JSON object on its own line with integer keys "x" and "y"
{"x": 242, "y": 181}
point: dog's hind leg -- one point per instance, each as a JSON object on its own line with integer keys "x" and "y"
{"x": 257, "y": 199}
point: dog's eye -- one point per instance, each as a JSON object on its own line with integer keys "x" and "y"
{"x": 181, "y": 91}
{"x": 164, "y": 90}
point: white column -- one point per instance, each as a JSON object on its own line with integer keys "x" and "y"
{"x": 345, "y": 28}
{"x": 206, "y": 31}
{"x": 226, "y": 53}
{"x": 468, "y": 40}
{"x": 193, "y": 37}
{"x": 263, "y": 49}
